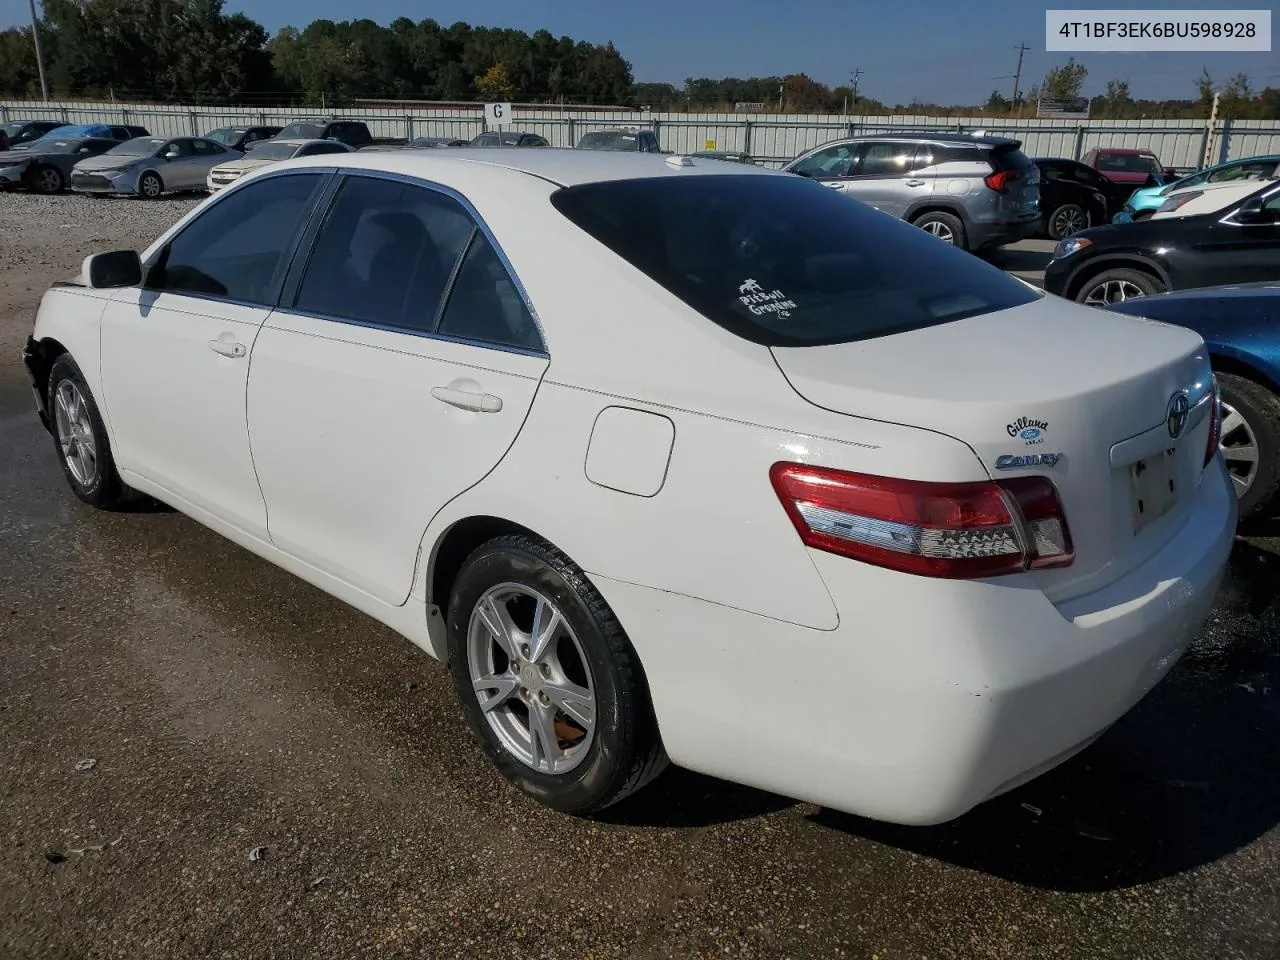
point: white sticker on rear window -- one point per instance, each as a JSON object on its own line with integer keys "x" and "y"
{"x": 761, "y": 301}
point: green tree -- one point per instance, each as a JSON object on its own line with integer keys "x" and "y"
{"x": 1064, "y": 82}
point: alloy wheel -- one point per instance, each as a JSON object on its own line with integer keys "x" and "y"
{"x": 940, "y": 230}
{"x": 75, "y": 433}
{"x": 49, "y": 180}
{"x": 1112, "y": 291}
{"x": 1239, "y": 446}
{"x": 531, "y": 678}
{"x": 1068, "y": 221}
{"x": 150, "y": 186}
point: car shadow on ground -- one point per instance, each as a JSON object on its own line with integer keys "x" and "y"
{"x": 1186, "y": 778}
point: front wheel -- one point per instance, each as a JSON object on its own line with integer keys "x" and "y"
{"x": 1251, "y": 444}
{"x": 945, "y": 226}
{"x": 150, "y": 185}
{"x": 1068, "y": 219}
{"x": 48, "y": 180}
{"x": 80, "y": 437}
{"x": 1116, "y": 286}
{"x": 547, "y": 678}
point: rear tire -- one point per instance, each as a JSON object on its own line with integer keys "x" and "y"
{"x": 598, "y": 740}
{"x": 1251, "y": 428}
{"x": 80, "y": 438}
{"x": 1115, "y": 286}
{"x": 947, "y": 227}
{"x": 1066, "y": 220}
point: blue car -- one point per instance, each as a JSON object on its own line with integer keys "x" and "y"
{"x": 1146, "y": 201}
{"x": 1241, "y": 327}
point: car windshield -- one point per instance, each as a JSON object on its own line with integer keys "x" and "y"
{"x": 11, "y": 130}
{"x": 226, "y": 135}
{"x": 783, "y": 261}
{"x": 140, "y": 147}
{"x": 1128, "y": 163}
{"x": 302, "y": 130}
{"x": 270, "y": 150}
{"x": 608, "y": 140}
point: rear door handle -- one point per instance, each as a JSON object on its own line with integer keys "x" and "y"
{"x": 468, "y": 399}
{"x": 227, "y": 348}
{"x": 915, "y": 183}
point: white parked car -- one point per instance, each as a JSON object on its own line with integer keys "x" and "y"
{"x": 667, "y": 459}
{"x": 268, "y": 152}
{"x": 150, "y": 166}
{"x": 1207, "y": 197}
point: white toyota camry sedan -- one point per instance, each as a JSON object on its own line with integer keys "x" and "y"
{"x": 667, "y": 458}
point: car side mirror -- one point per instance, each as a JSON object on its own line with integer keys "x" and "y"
{"x": 1254, "y": 211}
{"x": 119, "y": 268}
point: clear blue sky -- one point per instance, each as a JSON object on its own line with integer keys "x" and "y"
{"x": 946, "y": 51}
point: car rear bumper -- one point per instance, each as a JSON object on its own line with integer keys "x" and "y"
{"x": 931, "y": 696}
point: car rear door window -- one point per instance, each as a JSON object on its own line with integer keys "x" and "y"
{"x": 785, "y": 262}
{"x": 886, "y": 159}
{"x": 236, "y": 249}
{"x": 484, "y": 303}
{"x": 384, "y": 255}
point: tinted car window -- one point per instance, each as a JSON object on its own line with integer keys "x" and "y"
{"x": 832, "y": 161}
{"x": 1127, "y": 163}
{"x": 784, "y": 262}
{"x": 384, "y": 254}
{"x": 485, "y": 305}
{"x": 1010, "y": 157}
{"x": 236, "y": 247}
{"x": 205, "y": 148}
{"x": 881, "y": 159}
{"x": 315, "y": 149}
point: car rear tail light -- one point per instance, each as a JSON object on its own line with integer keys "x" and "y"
{"x": 999, "y": 181}
{"x": 955, "y": 530}
{"x": 1215, "y": 425}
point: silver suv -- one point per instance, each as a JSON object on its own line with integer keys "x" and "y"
{"x": 974, "y": 191}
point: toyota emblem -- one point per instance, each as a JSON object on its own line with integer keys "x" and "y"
{"x": 1176, "y": 414}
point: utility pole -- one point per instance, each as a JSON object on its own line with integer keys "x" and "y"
{"x": 1211, "y": 133}
{"x": 1017, "y": 79}
{"x": 853, "y": 77}
{"x": 35, "y": 35}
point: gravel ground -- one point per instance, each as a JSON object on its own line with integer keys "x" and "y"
{"x": 229, "y": 706}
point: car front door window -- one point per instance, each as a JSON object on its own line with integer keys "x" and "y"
{"x": 175, "y": 353}
{"x": 828, "y": 163}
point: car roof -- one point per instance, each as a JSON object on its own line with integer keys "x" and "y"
{"x": 561, "y": 166}
{"x": 935, "y": 136}
{"x": 1125, "y": 151}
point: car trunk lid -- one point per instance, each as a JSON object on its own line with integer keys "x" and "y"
{"x": 1076, "y": 394}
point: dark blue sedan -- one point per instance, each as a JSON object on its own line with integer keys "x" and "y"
{"x": 1241, "y": 326}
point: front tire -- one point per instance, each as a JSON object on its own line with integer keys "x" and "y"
{"x": 1068, "y": 219}
{"x": 48, "y": 180}
{"x": 1116, "y": 286}
{"x": 1251, "y": 444}
{"x": 945, "y": 226}
{"x": 548, "y": 680}
{"x": 80, "y": 437}
{"x": 150, "y": 185}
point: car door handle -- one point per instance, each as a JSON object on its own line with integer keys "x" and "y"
{"x": 468, "y": 399}
{"x": 834, "y": 184}
{"x": 228, "y": 348}
{"x": 915, "y": 183}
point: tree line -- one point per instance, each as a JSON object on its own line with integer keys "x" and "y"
{"x": 192, "y": 51}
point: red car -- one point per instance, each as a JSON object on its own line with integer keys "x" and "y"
{"x": 1126, "y": 165}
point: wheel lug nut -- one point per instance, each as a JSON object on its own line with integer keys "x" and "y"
{"x": 525, "y": 651}
{"x": 544, "y": 699}
{"x": 546, "y": 671}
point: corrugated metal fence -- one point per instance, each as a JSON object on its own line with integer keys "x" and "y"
{"x": 769, "y": 138}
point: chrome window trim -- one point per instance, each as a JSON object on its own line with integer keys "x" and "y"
{"x": 1227, "y": 221}
{"x": 478, "y": 223}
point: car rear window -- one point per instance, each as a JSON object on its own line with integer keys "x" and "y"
{"x": 1010, "y": 157}
{"x": 1127, "y": 163}
{"x": 785, "y": 262}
